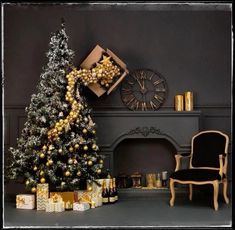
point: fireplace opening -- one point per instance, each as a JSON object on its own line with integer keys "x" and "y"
{"x": 152, "y": 155}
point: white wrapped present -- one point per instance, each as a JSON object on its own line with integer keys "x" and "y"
{"x": 25, "y": 201}
{"x": 81, "y": 206}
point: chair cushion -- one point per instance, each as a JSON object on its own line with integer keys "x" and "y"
{"x": 196, "y": 175}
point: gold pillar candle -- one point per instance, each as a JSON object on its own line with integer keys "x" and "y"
{"x": 179, "y": 103}
{"x": 188, "y": 99}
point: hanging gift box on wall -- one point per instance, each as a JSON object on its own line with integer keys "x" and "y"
{"x": 25, "y": 201}
{"x": 107, "y": 70}
{"x": 42, "y": 196}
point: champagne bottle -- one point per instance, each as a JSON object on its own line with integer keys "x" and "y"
{"x": 115, "y": 190}
{"x": 105, "y": 193}
{"x": 108, "y": 174}
{"x": 111, "y": 192}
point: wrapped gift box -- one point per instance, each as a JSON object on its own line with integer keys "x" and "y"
{"x": 80, "y": 206}
{"x": 55, "y": 204}
{"x": 25, "y": 201}
{"x": 82, "y": 196}
{"x": 94, "y": 57}
{"x": 42, "y": 196}
{"x": 67, "y": 197}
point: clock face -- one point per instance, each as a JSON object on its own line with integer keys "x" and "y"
{"x": 143, "y": 90}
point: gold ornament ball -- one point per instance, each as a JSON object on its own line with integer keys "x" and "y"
{"x": 75, "y": 161}
{"x": 50, "y": 162}
{"x": 60, "y": 150}
{"x": 94, "y": 146}
{"x": 98, "y": 171}
{"x": 27, "y": 182}
{"x": 93, "y": 131}
{"x": 90, "y": 163}
{"x": 76, "y": 146}
{"x": 62, "y": 183}
{"x": 84, "y": 131}
{"x": 85, "y": 147}
{"x": 101, "y": 161}
{"x": 35, "y": 168}
{"x": 79, "y": 173}
{"x": 70, "y": 161}
{"x": 89, "y": 188}
{"x": 33, "y": 189}
{"x": 41, "y": 173}
{"x": 44, "y": 148}
{"x": 67, "y": 173}
{"x": 85, "y": 155}
{"x": 42, "y": 155}
{"x": 42, "y": 180}
{"x": 47, "y": 164}
{"x": 71, "y": 149}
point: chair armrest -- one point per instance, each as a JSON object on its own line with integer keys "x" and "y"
{"x": 221, "y": 156}
{"x": 178, "y": 159}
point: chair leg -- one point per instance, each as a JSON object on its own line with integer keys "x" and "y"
{"x": 172, "y": 188}
{"x": 225, "y": 187}
{"x": 190, "y": 192}
{"x": 216, "y": 192}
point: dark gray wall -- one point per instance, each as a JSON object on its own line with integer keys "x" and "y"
{"x": 189, "y": 45}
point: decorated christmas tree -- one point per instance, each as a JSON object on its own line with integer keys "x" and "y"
{"x": 58, "y": 142}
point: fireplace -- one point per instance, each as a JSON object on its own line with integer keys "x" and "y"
{"x": 122, "y": 130}
{"x": 144, "y": 156}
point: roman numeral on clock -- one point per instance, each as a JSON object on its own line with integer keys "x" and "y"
{"x": 160, "y": 90}
{"x": 158, "y": 82}
{"x": 154, "y": 106}
{"x": 143, "y": 105}
{"x": 158, "y": 98}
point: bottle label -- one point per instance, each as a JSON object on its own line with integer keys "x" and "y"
{"x": 111, "y": 199}
{"x": 116, "y": 197}
{"x": 105, "y": 199}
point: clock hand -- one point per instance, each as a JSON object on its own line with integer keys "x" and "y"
{"x": 139, "y": 84}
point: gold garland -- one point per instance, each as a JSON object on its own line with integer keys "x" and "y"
{"x": 104, "y": 72}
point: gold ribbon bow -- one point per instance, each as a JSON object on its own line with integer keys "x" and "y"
{"x": 56, "y": 197}
{"x": 20, "y": 201}
{"x": 42, "y": 192}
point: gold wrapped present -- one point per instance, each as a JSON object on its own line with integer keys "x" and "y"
{"x": 42, "y": 196}
{"x": 65, "y": 196}
{"x": 82, "y": 196}
{"x": 25, "y": 201}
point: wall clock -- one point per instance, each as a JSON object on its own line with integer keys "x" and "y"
{"x": 143, "y": 90}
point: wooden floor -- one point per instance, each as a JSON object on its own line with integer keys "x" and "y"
{"x": 148, "y": 209}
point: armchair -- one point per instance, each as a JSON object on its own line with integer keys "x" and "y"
{"x": 207, "y": 165}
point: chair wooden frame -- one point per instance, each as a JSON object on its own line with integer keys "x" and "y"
{"x": 223, "y": 161}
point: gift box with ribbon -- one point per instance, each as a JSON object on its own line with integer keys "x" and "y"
{"x": 42, "y": 196}
{"x": 82, "y": 196}
{"x": 25, "y": 201}
{"x": 67, "y": 198}
{"x": 80, "y": 206}
{"x": 55, "y": 204}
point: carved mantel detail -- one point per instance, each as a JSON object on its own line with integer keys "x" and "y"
{"x": 145, "y": 131}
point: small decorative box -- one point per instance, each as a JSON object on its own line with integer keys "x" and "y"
{"x": 25, "y": 201}
{"x": 82, "y": 196}
{"x": 42, "y": 196}
{"x": 80, "y": 206}
{"x": 66, "y": 196}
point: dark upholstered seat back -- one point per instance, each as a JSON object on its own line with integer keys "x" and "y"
{"x": 206, "y": 149}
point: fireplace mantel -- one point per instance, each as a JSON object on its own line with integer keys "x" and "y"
{"x": 113, "y": 127}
